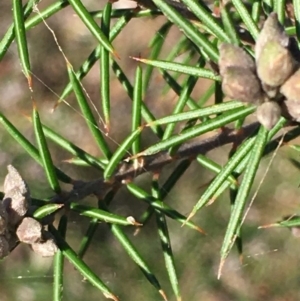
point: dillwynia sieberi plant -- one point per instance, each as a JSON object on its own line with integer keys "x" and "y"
{"x": 223, "y": 35}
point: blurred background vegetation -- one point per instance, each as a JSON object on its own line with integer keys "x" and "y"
{"x": 270, "y": 269}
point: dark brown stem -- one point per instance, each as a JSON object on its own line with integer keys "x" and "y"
{"x": 156, "y": 162}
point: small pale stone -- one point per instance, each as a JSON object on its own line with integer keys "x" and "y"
{"x": 268, "y": 114}
{"x": 29, "y": 231}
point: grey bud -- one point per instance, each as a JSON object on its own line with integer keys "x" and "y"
{"x": 275, "y": 64}
{"x": 29, "y": 231}
{"x": 272, "y": 30}
{"x": 234, "y": 56}
{"x": 241, "y": 84}
{"x": 268, "y": 114}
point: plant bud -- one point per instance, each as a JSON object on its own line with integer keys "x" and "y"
{"x": 29, "y": 231}
{"x": 242, "y": 84}
{"x": 272, "y": 30}
{"x": 291, "y": 88}
{"x": 275, "y": 64}
{"x": 268, "y": 114}
{"x": 234, "y": 56}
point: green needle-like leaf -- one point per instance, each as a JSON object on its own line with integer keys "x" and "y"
{"x": 186, "y": 91}
{"x": 29, "y": 148}
{"x": 103, "y": 215}
{"x": 21, "y": 39}
{"x": 256, "y": 11}
{"x": 213, "y": 166}
{"x": 161, "y": 206}
{"x": 172, "y": 83}
{"x": 120, "y": 153}
{"x": 279, "y": 7}
{"x": 45, "y": 13}
{"x": 293, "y": 221}
{"x": 88, "y": 115}
{"x": 191, "y": 32}
{"x": 87, "y": 239}
{"x": 73, "y": 149}
{"x": 105, "y": 69}
{"x": 96, "y": 54}
{"x": 243, "y": 194}
{"x": 90, "y": 23}
{"x": 165, "y": 241}
{"x": 147, "y": 115}
{"x": 167, "y": 250}
{"x": 93, "y": 225}
{"x": 133, "y": 253}
{"x": 246, "y": 17}
{"x": 296, "y": 4}
{"x": 177, "y": 67}
{"x": 136, "y": 257}
{"x": 198, "y": 113}
{"x": 197, "y": 130}
{"x": 81, "y": 266}
{"x": 227, "y": 170}
{"x": 10, "y": 34}
{"x": 58, "y": 264}
{"x": 45, "y": 152}
{"x": 166, "y": 188}
{"x": 137, "y": 108}
{"x": 206, "y": 17}
{"x": 184, "y": 45}
{"x": 229, "y": 25}
{"x": 46, "y": 210}
{"x": 156, "y": 46}
{"x": 236, "y": 165}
